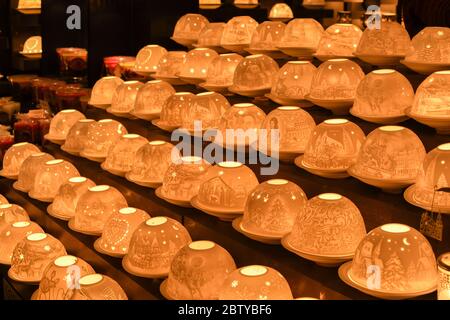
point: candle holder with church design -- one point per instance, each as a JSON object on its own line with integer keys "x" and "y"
{"x": 76, "y": 138}
{"x": 15, "y": 157}
{"x": 124, "y": 99}
{"x": 188, "y": 29}
{"x": 147, "y": 60}
{"x": 151, "y": 98}
{"x": 61, "y": 125}
{"x": 196, "y": 64}
{"x": 265, "y": 39}
{"x": 172, "y": 110}
{"x": 103, "y": 92}
{"x": 29, "y": 169}
{"x": 169, "y": 66}
{"x": 238, "y": 33}
{"x": 211, "y": 36}
{"x": 221, "y": 72}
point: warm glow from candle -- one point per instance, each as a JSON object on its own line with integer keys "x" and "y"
{"x": 230, "y": 165}
{"x": 127, "y": 211}
{"x": 444, "y": 147}
{"x": 37, "y": 237}
{"x": 99, "y": 188}
{"x": 77, "y": 180}
{"x": 254, "y": 271}
{"x": 395, "y": 228}
{"x": 154, "y": 222}
{"x": 202, "y": 245}
{"x": 91, "y": 279}
{"x": 391, "y": 128}
{"x": 53, "y": 162}
{"x": 278, "y": 182}
{"x": 289, "y": 108}
{"x": 65, "y": 261}
{"x": 336, "y": 121}
{"x": 22, "y": 224}
{"x": 330, "y": 196}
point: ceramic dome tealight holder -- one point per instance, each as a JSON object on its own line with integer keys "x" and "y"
{"x": 32, "y": 48}
{"x": 221, "y": 72}
{"x": 383, "y": 97}
{"x": 60, "y": 279}
{"x": 103, "y": 91}
{"x": 61, "y": 125}
{"x": 151, "y": 98}
{"x": 29, "y": 169}
{"x": 77, "y": 137}
{"x": 327, "y": 230}
{"x": 197, "y": 272}
{"x": 101, "y": 136}
{"x": 317, "y": 4}
{"x": 172, "y": 111}
{"x": 271, "y": 210}
{"x": 255, "y": 283}
{"x": 153, "y": 246}
{"x": 339, "y": 41}
{"x": 431, "y": 103}
{"x": 332, "y": 149}
{"x": 32, "y": 255}
{"x": 281, "y": 12}
{"x": 94, "y": 208}
{"x": 293, "y": 83}
{"x": 14, "y": 157}
{"x": 292, "y": 128}
{"x": 65, "y": 203}
{"x": 238, "y": 33}
{"x": 147, "y": 59}
{"x": 11, "y": 213}
{"x": 182, "y": 181}
{"x": 52, "y": 176}
{"x": 116, "y": 236}
{"x": 246, "y": 4}
{"x": 169, "y": 66}
{"x": 301, "y": 38}
{"x": 151, "y": 163}
{"x": 384, "y": 46}
{"x": 254, "y": 76}
{"x": 428, "y": 191}
{"x": 392, "y": 262}
{"x": 225, "y": 190}
{"x": 196, "y": 64}
{"x": 118, "y": 160}
{"x": 265, "y": 39}
{"x": 124, "y": 99}
{"x": 334, "y": 85}
{"x": 430, "y": 51}
{"x": 211, "y": 36}
{"x": 390, "y": 159}
{"x": 98, "y": 287}
{"x": 209, "y": 4}
{"x": 188, "y": 29}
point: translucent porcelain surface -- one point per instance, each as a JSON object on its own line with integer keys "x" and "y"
{"x": 432, "y": 98}
{"x": 255, "y": 72}
{"x": 431, "y": 45}
{"x": 196, "y": 63}
{"x": 148, "y": 57}
{"x": 174, "y": 107}
{"x": 190, "y": 26}
{"x": 63, "y": 122}
{"x": 15, "y": 156}
{"x": 101, "y": 136}
{"x": 77, "y": 136}
{"x": 239, "y": 31}
{"x": 294, "y": 79}
{"x": 222, "y": 68}
{"x": 29, "y": 169}
{"x": 152, "y": 96}
{"x": 339, "y": 40}
{"x": 125, "y": 97}
{"x": 99, "y": 287}
{"x": 11, "y": 213}
{"x": 302, "y": 33}
{"x": 104, "y": 90}
{"x": 267, "y": 35}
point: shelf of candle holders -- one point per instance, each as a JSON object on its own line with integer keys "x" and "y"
{"x": 304, "y": 277}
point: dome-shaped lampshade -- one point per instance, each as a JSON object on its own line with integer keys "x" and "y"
{"x": 266, "y": 37}
{"x": 66, "y": 200}
{"x": 77, "y": 137}
{"x": 11, "y": 213}
{"x": 221, "y": 72}
{"x": 394, "y": 261}
{"x": 95, "y": 207}
{"x": 99, "y": 287}
{"x": 32, "y": 255}
{"x": 188, "y": 28}
{"x": 238, "y": 33}
{"x": 383, "y": 96}
{"x": 196, "y": 64}
{"x": 147, "y": 59}
{"x": 173, "y": 109}
{"x": 14, "y": 158}
{"x": 280, "y": 12}
{"x": 327, "y": 230}
{"x": 119, "y": 228}
{"x": 62, "y": 123}
{"x": 211, "y": 36}
{"x": 339, "y": 41}
{"x": 29, "y": 169}
{"x": 104, "y": 90}
{"x": 390, "y": 158}
{"x": 125, "y": 97}
{"x": 52, "y": 176}
{"x": 32, "y": 48}
{"x": 151, "y": 163}
{"x": 153, "y": 246}
{"x": 332, "y": 149}
{"x": 431, "y": 103}
{"x": 197, "y": 272}
{"x": 433, "y": 177}
{"x": 151, "y": 98}
{"x": 169, "y": 66}
{"x": 255, "y": 283}
{"x": 118, "y": 160}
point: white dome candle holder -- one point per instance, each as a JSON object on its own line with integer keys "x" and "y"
{"x": 211, "y": 36}
{"x": 61, "y": 125}
{"x": 338, "y": 41}
{"x": 29, "y": 169}
{"x": 151, "y": 98}
{"x": 238, "y": 33}
{"x": 124, "y": 99}
{"x": 11, "y": 213}
{"x": 14, "y": 157}
{"x": 196, "y": 64}
{"x": 147, "y": 59}
{"x": 98, "y": 287}
{"x": 32, "y": 48}
{"x": 188, "y": 29}
{"x": 221, "y": 72}
{"x": 172, "y": 111}
{"x": 103, "y": 91}
{"x": 77, "y": 137}
{"x": 281, "y": 12}
{"x": 266, "y": 38}
{"x": 169, "y": 66}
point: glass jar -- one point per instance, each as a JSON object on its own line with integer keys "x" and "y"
{"x": 344, "y": 17}
{"x": 73, "y": 62}
{"x": 22, "y": 90}
{"x": 26, "y": 129}
{"x": 50, "y": 95}
{"x": 68, "y": 97}
{"x": 110, "y": 63}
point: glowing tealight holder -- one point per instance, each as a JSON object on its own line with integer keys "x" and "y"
{"x": 52, "y": 176}
{"x": 32, "y": 255}
{"x": 338, "y": 41}
{"x": 118, "y": 160}
{"x": 124, "y": 99}
{"x": 151, "y": 98}
{"x": 211, "y": 35}
{"x": 14, "y": 158}
{"x": 246, "y": 4}
{"x": 66, "y": 200}
{"x": 288, "y": 130}
{"x": 383, "y": 97}
{"x": 254, "y": 76}
{"x": 209, "y": 4}
{"x": 153, "y": 246}
{"x": 255, "y": 283}
{"x": 119, "y": 228}
{"x": 94, "y": 208}
{"x": 3, "y": 200}
{"x": 394, "y": 261}
{"x": 103, "y": 91}
{"x": 327, "y": 230}
{"x": 430, "y": 51}
{"x": 197, "y": 272}
{"x": 169, "y": 66}
{"x": 32, "y": 48}
{"x": 101, "y": 136}
{"x": 225, "y": 190}
{"x": 266, "y": 37}
{"x": 427, "y": 192}
{"x": 390, "y": 159}
{"x": 60, "y": 279}
{"x": 332, "y": 149}
{"x": 77, "y": 137}
{"x": 29, "y": 169}
{"x": 196, "y": 64}
{"x": 430, "y": 105}
{"x": 238, "y": 33}
{"x": 99, "y": 287}
{"x": 221, "y": 72}
{"x": 11, "y": 213}
{"x": 334, "y": 85}
{"x": 172, "y": 111}
{"x": 301, "y": 38}
{"x": 61, "y": 125}
{"x": 182, "y": 181}
{"x": 271, "y": 210}
{"x": 281, "y": 12}
{"x": 188, "y": 29}
{"x": 147, "y": 59}
{"x": 151, "y": 163}
{"x": 293, "y": 83}
{"x": 316, "y": 4}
